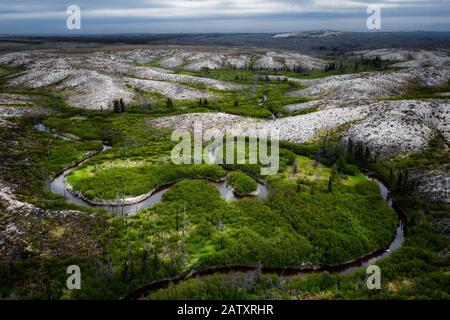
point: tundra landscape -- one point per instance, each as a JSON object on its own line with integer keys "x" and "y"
{"x": 86, "y": 176}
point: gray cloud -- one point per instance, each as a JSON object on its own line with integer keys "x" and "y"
{"x": 223, "y": 15}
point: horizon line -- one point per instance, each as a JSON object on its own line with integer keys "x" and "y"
{"x": 65, "y": 34}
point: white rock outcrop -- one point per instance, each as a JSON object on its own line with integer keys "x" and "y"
{"x": 369, "y": 85}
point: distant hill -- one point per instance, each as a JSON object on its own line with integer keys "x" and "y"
{"x": 311, "y": 34}
{"x": 308, "y": 42}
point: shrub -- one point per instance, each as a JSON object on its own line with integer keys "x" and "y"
{"x": 367, "y": 188}
{"x": 241, "y": 183}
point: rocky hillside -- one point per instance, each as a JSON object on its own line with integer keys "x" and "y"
{"x": 94, "y": 79}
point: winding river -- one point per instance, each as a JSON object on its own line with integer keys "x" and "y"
{"x": 59, "y": 186}
{"x": 347, "y": 267}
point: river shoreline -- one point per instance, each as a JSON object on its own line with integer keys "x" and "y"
{"x": 347, "y": 267}
{"x": 130, "y": 205}
{"x": 342, "y": 268}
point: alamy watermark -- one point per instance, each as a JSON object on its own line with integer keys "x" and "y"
{"x": 260, "y": 147}
{"x": 73, "y": 21}
{"x": 74, "y": 280}
{"x": 373, "y": 281}
{"x": 374, "y": 20}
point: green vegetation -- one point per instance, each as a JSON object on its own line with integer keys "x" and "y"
{"x": 416, "y": 90}
{"x": 118, "y": 182}
{"x": 418, "y": 270}
{"x": 184, "y": 230}
{"x": 241, "y": 183}
{"x": 396, "y": 171}
{"x": 437, "y": 154}
{"x": 6, "y": 71}
{"x": 41, "y": 156}
{"x": 259, "y": 97}
{"x": 90, "y": 127}
{"x": 266, "y": 97}
{"x": 316, "y": 230}
{"x": 320, "y": 210}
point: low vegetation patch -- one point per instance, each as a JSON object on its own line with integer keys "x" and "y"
{"x": 123, "y": 182}
{"x": 241, "y": 183}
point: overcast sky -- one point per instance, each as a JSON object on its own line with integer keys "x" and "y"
{"x": 185, "y": 16}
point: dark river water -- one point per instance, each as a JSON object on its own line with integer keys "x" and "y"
{"x": 58, "y": 186}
